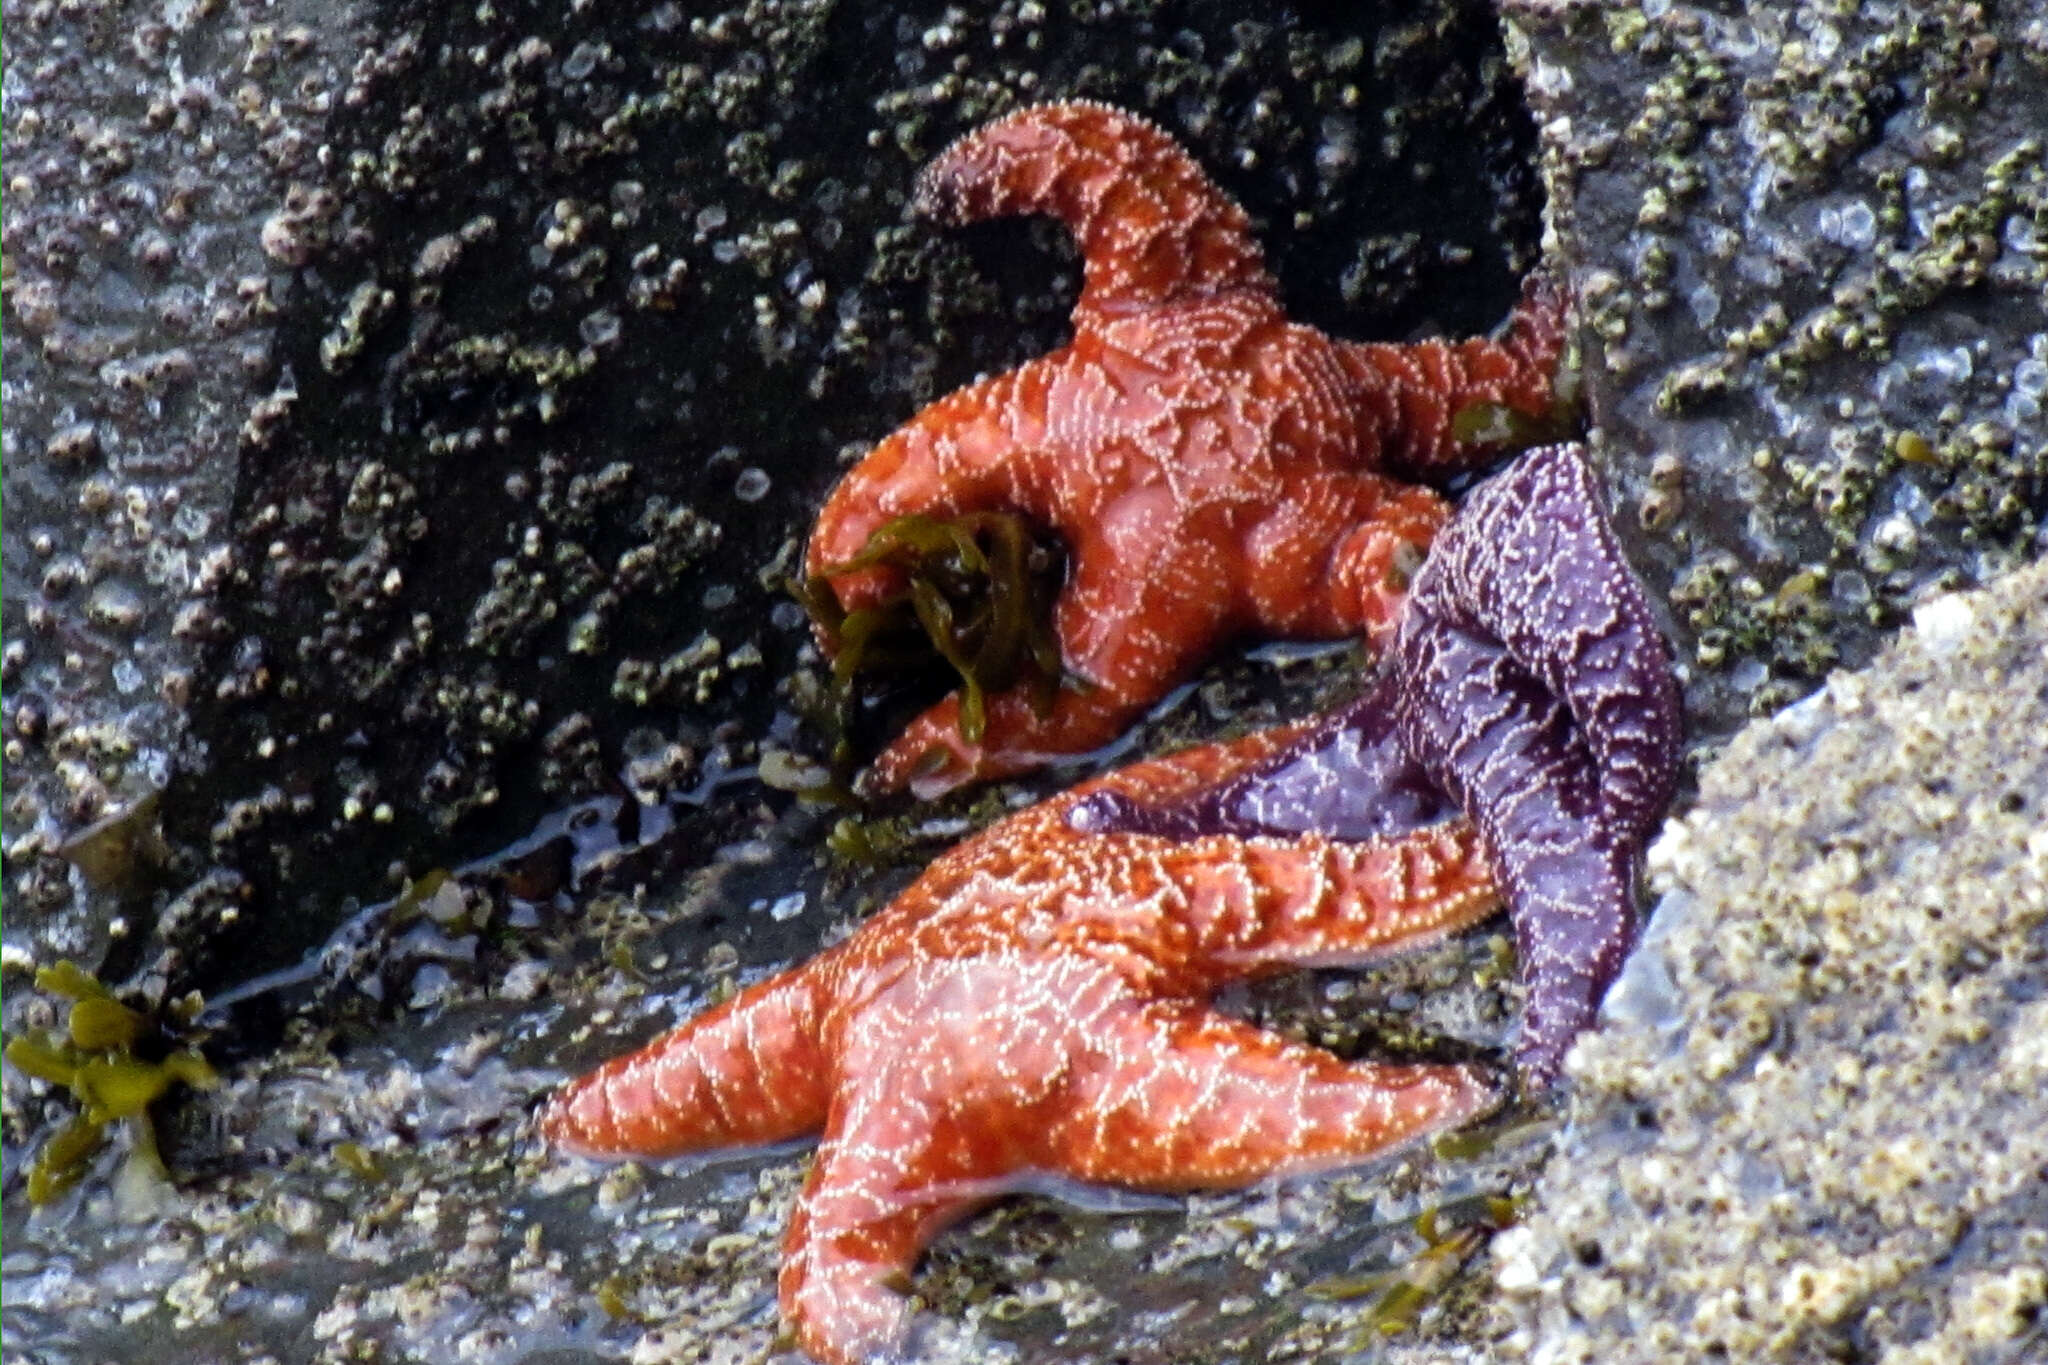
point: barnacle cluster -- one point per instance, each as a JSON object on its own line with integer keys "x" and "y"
{"x": 1829, "y": 428}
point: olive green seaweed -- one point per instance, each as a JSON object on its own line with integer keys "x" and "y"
{"x": 96, "y": 1059}
{"x": 976, "y": 591}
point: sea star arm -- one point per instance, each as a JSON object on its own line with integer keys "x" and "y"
{"x": 1177, "y": 1096}
{"x": 1536, "y": 687}
{"x": 946, "y": 1080}
{"x": 895, "y": 1166}
{"x": 1534, "y": 565}
{"x": 1412, "y": 393}
{"x": 1151, "y": 226}
{"x": 1372, "y": 564}
{"x": 745, "y": 1073}
{"x": 967, "y": 452}
{"x": 1184, "y": 772}
{"x": 1344, "y": 774}
{"x": 1511, "y": 749}
{"x": 1256, "y": 905}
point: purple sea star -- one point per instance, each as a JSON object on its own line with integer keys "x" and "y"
{"x": 1527, "y": 681}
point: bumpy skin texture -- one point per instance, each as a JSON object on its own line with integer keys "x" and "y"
{"x": 1213, "y": 468}
{"x": 1529, "y": 682}
{"x": 1035, "y": 1003}
{"x": 1545, "y": 701}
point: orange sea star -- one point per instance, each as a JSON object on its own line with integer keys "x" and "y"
{"x": 1213, "y": 468}
{"x": 1035, "y": 1002}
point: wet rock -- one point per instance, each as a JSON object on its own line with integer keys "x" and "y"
{"x": 134, "y": 287}
{"x": 1807, "y": 240}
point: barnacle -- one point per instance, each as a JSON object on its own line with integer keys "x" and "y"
{"x": 115, "y": 1061}
{"x": 977, "y": 592}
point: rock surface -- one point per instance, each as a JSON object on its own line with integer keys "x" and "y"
{"x": 1810, "y": 245}
{"x": 161, "y": 166}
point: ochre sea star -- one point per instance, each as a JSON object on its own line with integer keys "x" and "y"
{"x": 1545, "y": 701}
{"x": 1035, "y": 1003}
{"x": 1213, "y": 468}
{"x": 1528, "y": 679}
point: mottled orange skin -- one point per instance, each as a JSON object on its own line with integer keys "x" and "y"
{"x": 1036, "y": 1003}
{"x": 1213, "y": 468}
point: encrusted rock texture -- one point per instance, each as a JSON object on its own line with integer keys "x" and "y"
{"x": 162, "y": 171}
{"x": 1810, "y": 245}
{"x": 1816, "y": 1124}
